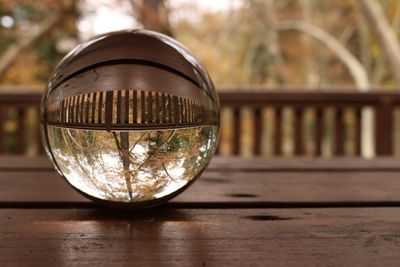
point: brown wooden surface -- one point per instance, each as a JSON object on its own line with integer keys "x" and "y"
{"x": 257, "y": 164}
{"x": 241, "y": 212}
{"x": 200, "y": 237}
{"x": 257, "y": 189}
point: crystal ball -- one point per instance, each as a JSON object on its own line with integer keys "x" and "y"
{"x": 130, "y": 118}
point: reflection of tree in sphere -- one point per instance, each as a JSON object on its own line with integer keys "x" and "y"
{"x": 130, "y": 118}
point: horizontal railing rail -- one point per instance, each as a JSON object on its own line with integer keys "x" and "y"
{"x": 261, "y": 122}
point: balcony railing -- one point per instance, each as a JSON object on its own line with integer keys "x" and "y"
{"x": 253, "y": 123}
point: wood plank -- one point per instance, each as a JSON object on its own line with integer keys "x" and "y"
{"x": 201, "y": 237}
{"x": 231, "y": 188}
{"x": 304, "y": 164}
{"x": 256, "y": 164}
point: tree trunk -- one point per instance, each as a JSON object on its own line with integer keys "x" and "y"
{"x": 386, "y": 35}
{"x": 310, "y": 69}
{"x": 124, "y": 136}
{"x": 273, "y": 47}
{"x": 153, "y": 15}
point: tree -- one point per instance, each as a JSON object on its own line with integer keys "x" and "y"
{"x": 387, "y": 37}
{"x": 153, "y": 15}
{"x": 25, "y": 43}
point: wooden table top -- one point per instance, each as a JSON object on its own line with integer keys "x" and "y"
{"x": 241, "y": 212}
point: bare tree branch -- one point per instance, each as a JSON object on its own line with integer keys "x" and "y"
{"x": 14, "y": 51}
{"x": 380, "y": 66}
{"x": 356, "y": 69}
{"x": 386, "y": 35}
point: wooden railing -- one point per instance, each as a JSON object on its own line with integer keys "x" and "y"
{"x": 269, "y": 123}
{"x": 328, "y": 112}
{"x": 19, "y": 122}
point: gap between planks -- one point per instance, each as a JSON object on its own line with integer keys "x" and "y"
{"x": 206, "y": 205}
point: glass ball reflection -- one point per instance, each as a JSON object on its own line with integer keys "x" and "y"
{"x": 130, "y": 118}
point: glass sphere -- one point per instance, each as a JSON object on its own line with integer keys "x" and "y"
{"x": 130, "y": 118}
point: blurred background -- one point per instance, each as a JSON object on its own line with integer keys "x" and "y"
{"x": 246, "y": 45}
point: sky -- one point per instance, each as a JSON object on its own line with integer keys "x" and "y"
{"x": 110, "y": 15}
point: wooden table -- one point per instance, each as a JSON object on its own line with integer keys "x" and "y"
{"x": 241, "y": 212}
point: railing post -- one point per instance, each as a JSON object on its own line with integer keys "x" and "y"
{"x": 258, "y": 129}
{"x": 357, "y": 114}
{"x": 384, "y": 127}
{"x": 278, "y": 131}
{"x": 40, "y": 148}
{"x": 2, "y": 135}
{"x": 319, "y": 127}
{"x": 236, "y": 131}
{"x": 20, "y": 135}
{"x": 339, "y": 132}
{"x": 298, "y": 132}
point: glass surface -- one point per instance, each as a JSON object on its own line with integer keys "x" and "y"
{"x": 134, "y": 165}
{"x": 132, "y": 127}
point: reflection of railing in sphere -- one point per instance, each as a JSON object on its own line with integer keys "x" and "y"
{"x": 128, "y": 110}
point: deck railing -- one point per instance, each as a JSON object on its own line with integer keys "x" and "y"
{"x": 253, "y": 123}
{"x": 19, "y": 122}
{"x": 316, "y": 119}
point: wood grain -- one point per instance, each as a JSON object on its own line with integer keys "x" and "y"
{"x": 263, "y": 189}
{"x": 257, "y": 164}
{"x": 239, "y": 213}
{"x": 201, "y": 237}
